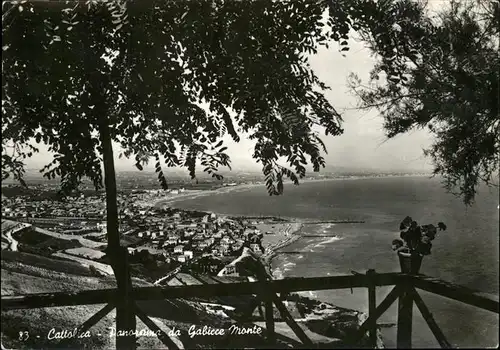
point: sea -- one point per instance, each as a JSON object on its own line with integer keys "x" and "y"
{"x": 467, "y": 253}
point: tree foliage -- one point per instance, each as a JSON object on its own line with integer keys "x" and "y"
{"x": 440, "y": 73}
{"x": 146, "y": 72}
{"x": 139, "y": 73}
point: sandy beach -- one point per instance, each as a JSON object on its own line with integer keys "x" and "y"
{"x": 193, "y": 194}
{"x": 283, "y": 235}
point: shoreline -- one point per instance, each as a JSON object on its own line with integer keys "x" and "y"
{"x": 287, "y": 233}
{"x": 290, "y": 235}
{"x": 192, "y": 194}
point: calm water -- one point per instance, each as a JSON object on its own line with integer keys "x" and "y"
{"x": 467, "y": 253}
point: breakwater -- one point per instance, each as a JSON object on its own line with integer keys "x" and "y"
{"x": 334, "y": 222}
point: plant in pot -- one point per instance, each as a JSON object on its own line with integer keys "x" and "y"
{"x": 415, "y": 242}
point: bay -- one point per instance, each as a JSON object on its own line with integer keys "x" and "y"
{"x": 467, "y": 253}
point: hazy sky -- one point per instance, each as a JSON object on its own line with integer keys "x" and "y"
{"x": 363, "y": 144}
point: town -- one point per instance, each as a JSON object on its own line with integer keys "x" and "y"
{"x": 159, "y": 239}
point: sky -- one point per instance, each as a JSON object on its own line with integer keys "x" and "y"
{"x": 363, "y": 144}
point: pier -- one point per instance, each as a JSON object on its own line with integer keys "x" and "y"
{"x": 335, "y": 222}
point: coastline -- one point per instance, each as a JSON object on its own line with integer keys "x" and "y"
{"x": 284, "y": 231}
{"x": 192, "y": 194}
{"x": 288, "y": 235}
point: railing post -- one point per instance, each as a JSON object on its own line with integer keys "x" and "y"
{"x": 405, "y": 315}
{"x": 372, "y": 305}
{"x": 268, "y": 296}
{"x": 269, "y": 313}
{"x": 125, "y": 306}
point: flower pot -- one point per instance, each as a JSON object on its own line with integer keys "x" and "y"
{"x": 410, "y": 263}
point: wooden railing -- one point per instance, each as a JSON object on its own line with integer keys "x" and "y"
{"x": 405, "y": 289}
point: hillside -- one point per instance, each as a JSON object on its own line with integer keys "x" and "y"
{"x": 24, "y": 273}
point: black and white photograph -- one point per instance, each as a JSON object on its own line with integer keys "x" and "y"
{"x": 250, "y": 174}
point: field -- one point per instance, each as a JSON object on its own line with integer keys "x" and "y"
{"x": 85, "y": 262}
{"x": 86, "y": 253}
{"x": 84, "y": 242}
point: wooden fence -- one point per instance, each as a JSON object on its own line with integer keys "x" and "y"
{"x": 405, "y": 291}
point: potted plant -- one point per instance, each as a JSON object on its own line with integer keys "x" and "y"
{"x": 415, "y": 242}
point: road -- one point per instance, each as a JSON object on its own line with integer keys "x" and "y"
{"x": 13, "y": 243}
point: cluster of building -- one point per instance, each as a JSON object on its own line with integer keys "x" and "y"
{"x": 184, "y": 235}
{"x": 79, "y": 207}
{"x": 89, "y": 207}
{"x": 169, "y": 234}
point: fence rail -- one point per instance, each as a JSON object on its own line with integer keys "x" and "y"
{"x": 405, "y": 290}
